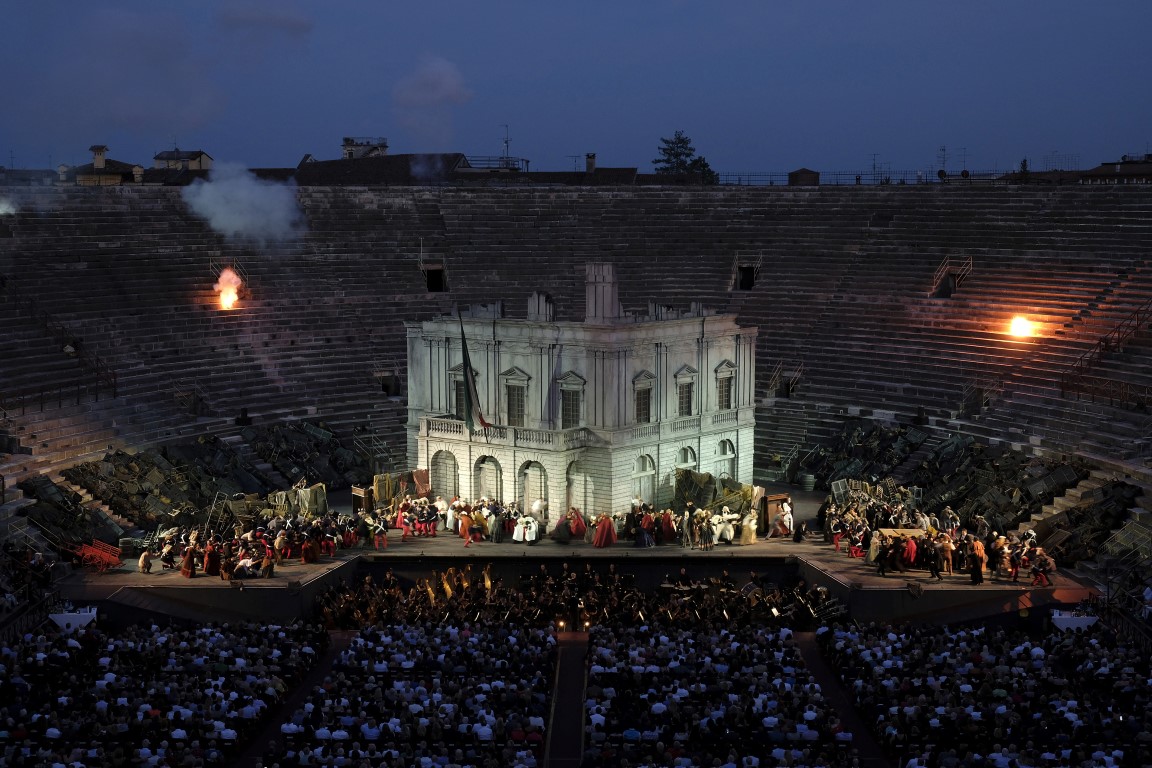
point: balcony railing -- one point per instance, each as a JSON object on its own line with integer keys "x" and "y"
{"x": 564, "y": 439}
{"x": 581, "y": 437}
{"x": 725, "y": 417}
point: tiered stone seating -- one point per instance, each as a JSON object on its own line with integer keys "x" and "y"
{"x": 842, "y": 286}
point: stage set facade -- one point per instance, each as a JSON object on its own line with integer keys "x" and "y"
{"x": 593, "y": 414}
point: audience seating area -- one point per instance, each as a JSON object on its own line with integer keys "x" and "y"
{"x": 434, "y": 694}
{"x": 666, "y": 696}
{"x": 979, "y": 696}
{"x": 842, "y": 283}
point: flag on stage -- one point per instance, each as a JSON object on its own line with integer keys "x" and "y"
{"x": 473, "y": 416}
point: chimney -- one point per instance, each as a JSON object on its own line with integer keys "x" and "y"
{"x": 590, "y": 162}
{"x": 540, "y": 308}
{"x": 602, "y": 299}
{"x": 98, "y": 152}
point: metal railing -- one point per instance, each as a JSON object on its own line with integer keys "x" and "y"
{"x": 960, "y": 268}
{"x": 873, "y": 178}
{"x": 69, "y": 343}
{"x": 497, "y": 162}
{"x": 776, "y": 375}
{"x": 1075, "y": 377}
{"x": 981, "y": 389}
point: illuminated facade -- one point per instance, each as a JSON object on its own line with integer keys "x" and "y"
{"x": 589, "y": 414}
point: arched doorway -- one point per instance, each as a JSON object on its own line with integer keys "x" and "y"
{"x": 644, "y": 479}
{"x": 686, "y": 458}
{"x": 486, "y": 480}
{"x": 533, "y": 481}
{"x": 444, "y": 474}
{"x": 726, "y": 460}
{"x": 580, "y": 488}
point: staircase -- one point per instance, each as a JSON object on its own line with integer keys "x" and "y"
{"x": 1042, "y": 521}
{"x": 903, "y": 474}
{"x": 250, "y": 458}
{"x": 120, "y": 525}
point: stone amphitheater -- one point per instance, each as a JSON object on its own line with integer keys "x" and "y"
{"x": 891, "y": 302}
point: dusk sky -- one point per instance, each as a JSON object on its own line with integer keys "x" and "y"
{"x": 759, "y": 86}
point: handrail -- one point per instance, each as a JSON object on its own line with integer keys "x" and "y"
{"x": 875, "y": 177}
{"x": 991, "y": 385}
{"x": 777, "y": 373}
{"x": 218, "y": 268}
{"x": 963, "y": 269}
{"x": 67, "y": 340}
{"x": 1072, "y": 377}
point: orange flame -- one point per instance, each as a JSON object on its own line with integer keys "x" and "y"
{"x": 1021, "y": 327}
{"x": 228, "y": 286}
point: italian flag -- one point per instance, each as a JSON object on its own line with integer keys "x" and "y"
{"x": 473, "y": 416}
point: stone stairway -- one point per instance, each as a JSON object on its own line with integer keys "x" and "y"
{"x": 903, "y": 473}
{"x": 121, "y": 526}
{"x": 250, "y": 458}
{"x": 1042, "y": 521}
{"x": 14, "y": 526}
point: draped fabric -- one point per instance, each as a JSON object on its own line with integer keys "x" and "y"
{"x": 423, "y": 483}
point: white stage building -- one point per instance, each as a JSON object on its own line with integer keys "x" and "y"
{"x": 590, "y": 414}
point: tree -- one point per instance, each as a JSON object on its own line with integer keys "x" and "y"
{"x": 678, "y": 158}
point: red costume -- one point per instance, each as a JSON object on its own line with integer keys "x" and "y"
{"x": 605, "y": 535}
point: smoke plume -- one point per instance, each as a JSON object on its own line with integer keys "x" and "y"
{"x": 7, "y": 207}
{"x": 422, "y": 101}
{"x": 238, "y": 205}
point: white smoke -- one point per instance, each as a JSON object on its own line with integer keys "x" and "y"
{"x": 239, "y": 205}
{"x": 7, "y": 207}
{"x": 423, "y": 99}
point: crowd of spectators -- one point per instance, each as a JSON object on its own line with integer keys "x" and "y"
{"x": 954, "y": 697}
{"x": 147, "y": 695}
{"x": 664, "y": 696}
{"x": 474, "y": 694}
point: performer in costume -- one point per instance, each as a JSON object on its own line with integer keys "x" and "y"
{"x": 748, "y": 528}
{"x": 668, "y": 526}
{"x": 188, "y": 564}
{"x": 605, "y": 532}
{"x": 211, "y": 558}
{"x": 645, "y": 527}
{"x": 577, "y": 524}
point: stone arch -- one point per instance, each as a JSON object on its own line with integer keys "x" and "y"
{"x": 644, "y": 478}
{"x": 531, "y": 484}
{"x": 686, "y": 458}
{"x": 444, "y": 474}
{"x": 726, "y": 460}
{"x": 487, "y": 478}
{"x": 580, "y": 488}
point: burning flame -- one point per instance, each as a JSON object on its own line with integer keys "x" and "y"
{"x": 1021, "y": 327}
{"x": 228, "y": 286}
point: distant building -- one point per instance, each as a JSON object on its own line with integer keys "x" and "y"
{"x": 804, "y": 177}
{"x": 1131, "y": 169}
{"x": 102, "y": 171}
{"x": 589, "y": 414}
{"x": 187, "y": 160}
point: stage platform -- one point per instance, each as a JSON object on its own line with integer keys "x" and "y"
{"x": 292, "y": 591}
{"x": 913, "y": 596}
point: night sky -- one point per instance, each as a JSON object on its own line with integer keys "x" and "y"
{"x": 759, "y": 86}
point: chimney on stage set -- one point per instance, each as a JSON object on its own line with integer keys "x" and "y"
{"x": 602, "y": 297}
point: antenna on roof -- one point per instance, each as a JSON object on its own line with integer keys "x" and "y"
{"x": 507, "y": 141}
{"x": 575, "y": 162}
